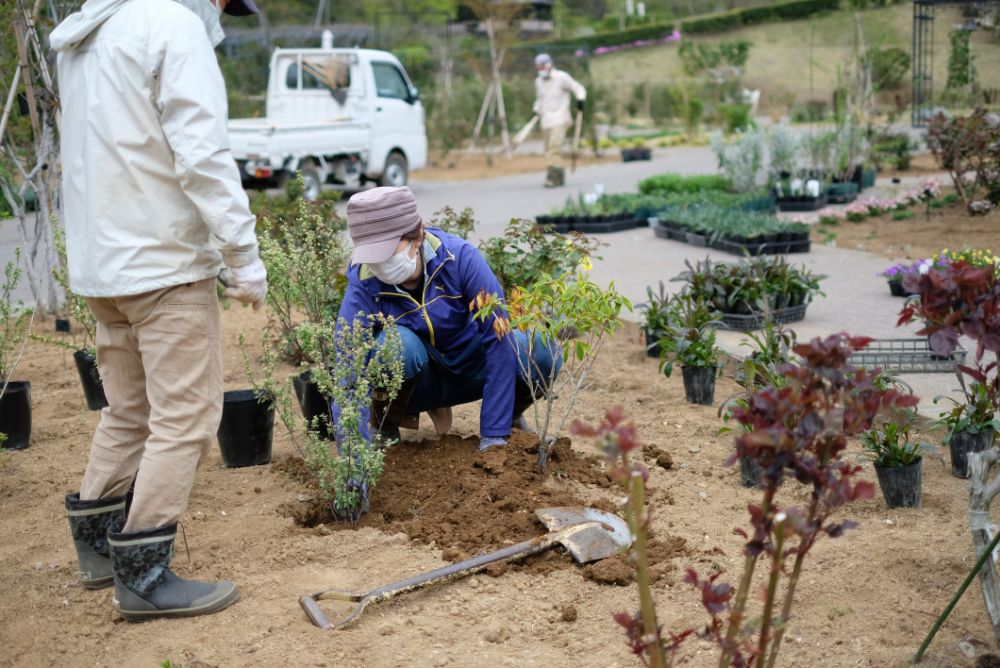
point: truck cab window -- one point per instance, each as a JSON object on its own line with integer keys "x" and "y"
{"x": 319, "y": 73}
{"x": 389, "y": 81}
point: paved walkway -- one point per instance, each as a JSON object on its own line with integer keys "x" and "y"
{"x": 856, "y": 299}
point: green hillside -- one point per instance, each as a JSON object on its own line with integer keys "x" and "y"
{"x": 780, "y": 59}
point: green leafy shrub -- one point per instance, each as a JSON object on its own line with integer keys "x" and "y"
{"x": 888, "y": 442}
{"x": 461, "y": 224}
{"x": 663, "y": 184}
{"x": 735, "y": 117}
{"x": 755, "y": 285}
{"x": 524, "y": 254}
{"x": 15, "y": 321}
{"x": 888, "y": 66}
{"x": 282, "y": 209}
{"x": 688, "y": 338}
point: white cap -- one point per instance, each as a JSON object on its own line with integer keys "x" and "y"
{"x": 543, "y": 59}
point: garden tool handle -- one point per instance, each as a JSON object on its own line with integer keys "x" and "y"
{"x": 450, "y": 572}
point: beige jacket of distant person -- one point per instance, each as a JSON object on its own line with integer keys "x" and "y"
{"x": 151, "y": 193}
{"x": 552, "y": 98}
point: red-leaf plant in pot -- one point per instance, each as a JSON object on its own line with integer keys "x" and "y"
{"x": 799, "y": 431}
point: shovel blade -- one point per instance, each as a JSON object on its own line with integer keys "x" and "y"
{"x": 608, "y": 535}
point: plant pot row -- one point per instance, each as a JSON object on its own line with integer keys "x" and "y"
{"x": 634, "y": 154}
{"x": 842, "y": 193}
{"x": 802, "y": 203}
{"x": 778, "y": 243}
{"x": 595, "y": 224}
{"x": 746, "y": 322}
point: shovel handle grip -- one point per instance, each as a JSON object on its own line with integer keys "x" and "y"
{"x": 313, "y": 612}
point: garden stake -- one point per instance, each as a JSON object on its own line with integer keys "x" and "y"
{"x": 954, "y": 601}
{"x": 588, "y": 535}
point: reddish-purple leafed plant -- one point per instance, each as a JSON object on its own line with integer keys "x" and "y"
{"x": 957, "y": 299}
{"x": 798, "y": 431}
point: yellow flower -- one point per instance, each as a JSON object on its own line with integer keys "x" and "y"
{"x": 586, "y": 264}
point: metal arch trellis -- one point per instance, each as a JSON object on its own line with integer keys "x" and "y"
{"x": 923, "y": 54}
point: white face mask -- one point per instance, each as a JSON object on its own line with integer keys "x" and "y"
{"x": 547, "y": 72}
{"x": 396, "y": 269}
{"x": 209, "y": 13}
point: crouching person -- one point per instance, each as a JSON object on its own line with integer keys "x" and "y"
{"x": 425, "y": 279}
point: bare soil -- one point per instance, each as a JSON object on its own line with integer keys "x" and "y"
{"x": 867, "y": 599}
{"x": 460, "y": 166}
{"x": 917, "y": 237}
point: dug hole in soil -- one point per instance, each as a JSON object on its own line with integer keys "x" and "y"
{"x": 866, "y": 599}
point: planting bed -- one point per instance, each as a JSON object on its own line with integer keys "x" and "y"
{"x": 865, "y": 599}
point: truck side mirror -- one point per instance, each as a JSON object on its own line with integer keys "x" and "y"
{"x": 414, "y": 94}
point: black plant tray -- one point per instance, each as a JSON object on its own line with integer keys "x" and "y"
{"x": 605, "y": 226}
{"x": 746, "y": 323}
{"x": 770, "y": 248}
{"x": 910, "y": 355}
{"x": 802, "y": 203}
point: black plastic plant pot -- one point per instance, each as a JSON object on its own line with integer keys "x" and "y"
{"x": 313, "y": 403}
{"x": 699, "y": 384}
{"x": 652, "y": 341}
{"x": 15, "y": 414}
{"x": 896, "y": 289}
{"x": 247, "y": 429}
{"x": 901, "y": 485}
{"x": 962, "y": 443}
{"x": 749, "y": 472}
{"x": 90, "y": 377}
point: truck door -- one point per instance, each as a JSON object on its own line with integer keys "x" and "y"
{"x": 398, "y": 118}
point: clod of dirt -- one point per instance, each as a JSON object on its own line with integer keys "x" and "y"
{"x": 661, "y": 456}
{"x": 568, "y": 613}
{"x": 497, "y": 635}
{"x": 496, "y": 569}
{"x": 614, "y": 571}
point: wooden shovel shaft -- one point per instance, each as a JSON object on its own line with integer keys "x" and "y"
{"x": 443, "y": 574}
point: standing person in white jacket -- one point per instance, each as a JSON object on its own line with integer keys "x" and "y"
{"x": 553, "y": 90}
{"x": 154, "y": 211}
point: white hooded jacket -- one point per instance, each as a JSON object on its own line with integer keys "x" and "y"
{"x": 151, "y": 193}
{"x": 552, "y": 97}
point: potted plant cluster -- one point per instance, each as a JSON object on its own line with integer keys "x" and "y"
{"x": 751, "y": 292}
{"x": 895, "y": 274}
{"x": 15, "y": 395}
{"x": 688, "y": 340}
{"x": 592, "y": 214}
{"x": 897, "y": 459}
{"x": 734, "y": 231}
{"x": 637, "y": 151}
{"x": 655, "y": 316}
{"x": 971, "y": 425}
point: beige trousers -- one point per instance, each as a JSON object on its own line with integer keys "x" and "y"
{"x": 160, "y": 357}
{"x": 554, "y": 138}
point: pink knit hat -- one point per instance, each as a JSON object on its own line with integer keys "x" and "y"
{"x": 377, "y": 219}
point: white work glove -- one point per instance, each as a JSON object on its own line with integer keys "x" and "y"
{"x": 247, "y": 284}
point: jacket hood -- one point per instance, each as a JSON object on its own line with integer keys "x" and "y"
{"x": 77, "y": 26}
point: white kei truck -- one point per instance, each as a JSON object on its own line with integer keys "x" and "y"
{"x": 344, "y": 116}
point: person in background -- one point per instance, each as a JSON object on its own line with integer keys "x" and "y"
{"x": 426, "y": 279}
{"x": 554, "y": 90}
{"x": 154, "y": 211}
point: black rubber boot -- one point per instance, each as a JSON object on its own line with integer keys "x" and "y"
{"x": 386, "y": 416}
{"x": 90, "y": 521}
{"x": 146, "y": 588}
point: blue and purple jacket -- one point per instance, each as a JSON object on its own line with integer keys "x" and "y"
{"x": 454, "y": 273}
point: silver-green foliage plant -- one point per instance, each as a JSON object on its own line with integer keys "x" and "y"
{"x": 741, "y": 158}
{"x": 306, "y": 257}
{"x": 15, "y": 320}
{"x": 347, "y": 471}
{"x": 79, "y": 312}
{"x": 784, "y": 150}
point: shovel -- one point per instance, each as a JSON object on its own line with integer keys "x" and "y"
{"x": 588, "y": 535}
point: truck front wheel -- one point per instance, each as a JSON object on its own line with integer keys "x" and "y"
{"x": 396, "y": 170}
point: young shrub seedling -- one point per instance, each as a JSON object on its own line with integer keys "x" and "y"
{"x": 569, "y": 316}
{"x": 347, "y": 471}
{"x": 15, "y": 323}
